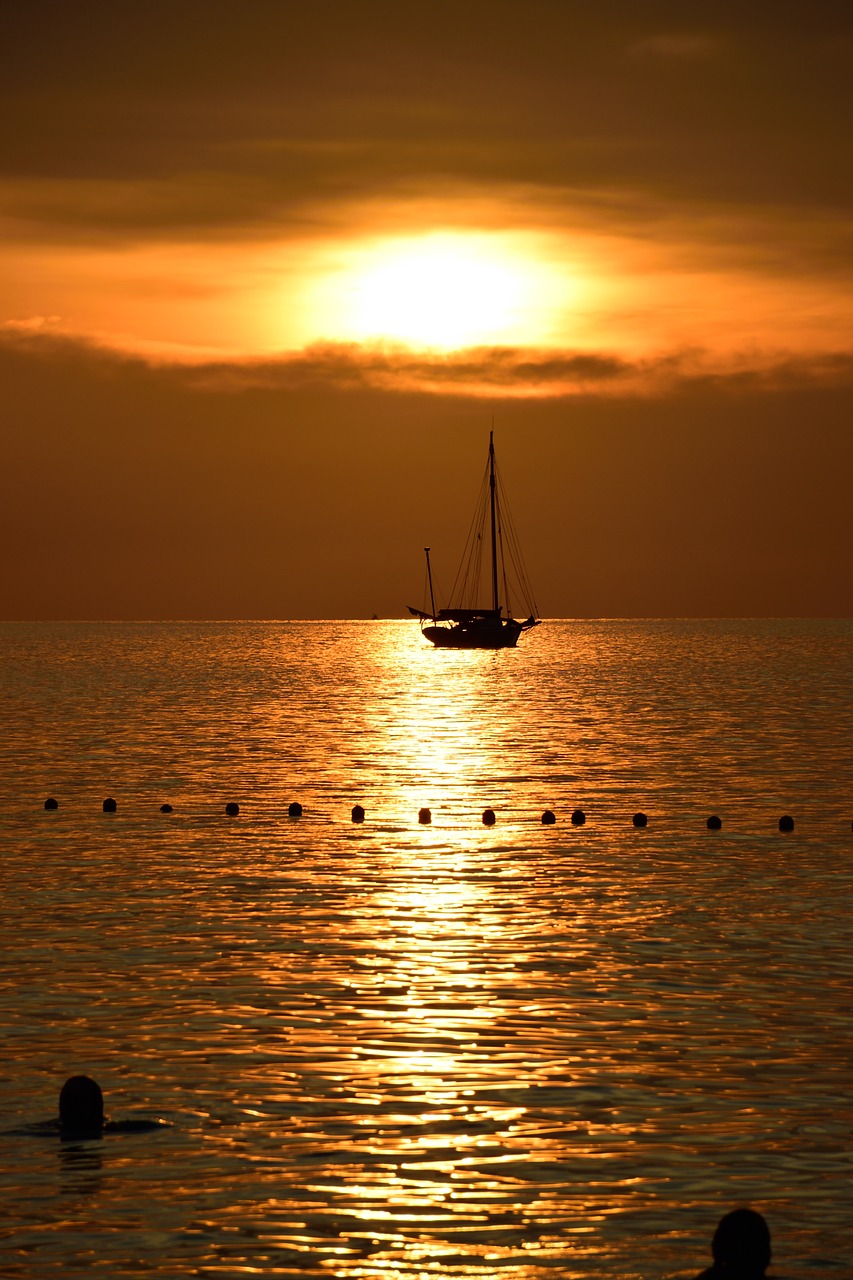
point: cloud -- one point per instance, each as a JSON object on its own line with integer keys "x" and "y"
{"x": 522, "y": 372}
{"x": 31, "y": 324}
{"x": 493, "y": 372}
{"x": 481, "y": 371}
{"x": 197, "y": 117}
{"x": 685, "y": 46}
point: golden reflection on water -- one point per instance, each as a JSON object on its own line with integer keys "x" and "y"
{"x": 446, "y": 1134}
{"x": 393, "y": 1049}
{"x": 458, "y": 725}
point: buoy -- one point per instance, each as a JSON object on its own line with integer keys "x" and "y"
{"x": 639, "y": 820}
{"x": 232, "y": 808}
{"x": 424, "y": 817}
{"x": 786, "y": 822}
{"x": 295, "y": 809}
{"x": 488, "y": 817}
{"x": 50, "y": 803}
{"x": 357, "y": 813}
{"x": 714, "y": 823}
{"x": 165, "y": 808}
{"x": 578, "y": 818}
{"x": 548, "y": 818}
{"x": 109, "y": 805}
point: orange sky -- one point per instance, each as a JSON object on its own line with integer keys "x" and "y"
{"x": 266, "y": 276}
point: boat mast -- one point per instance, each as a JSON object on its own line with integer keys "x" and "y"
{"x": 429, "y": 576}
{"x": 495, "y": 602}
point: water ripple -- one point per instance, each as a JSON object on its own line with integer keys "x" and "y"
{"x": 403, "y": 1050}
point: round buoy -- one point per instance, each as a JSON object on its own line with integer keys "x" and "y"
{"x": 50, "y": 803}
{"x": 165, "y": 808}
{"x": 714, "y": 823}
{"x": 424, "y": 817}
{"x": 232, "y": 808}
{"x": 548, "y": 818}
{"x": 786, "y": 822}
{"x": 109, "y": 805}
{"x": 357, "y": 813}
{"x": 294, "y": 810}
{"x": 488, "y": 817}
{"x": 578, "y": 818}
{"x": 639, "y": 820}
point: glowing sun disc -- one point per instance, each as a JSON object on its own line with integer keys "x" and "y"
{"x": 442, "y": 290}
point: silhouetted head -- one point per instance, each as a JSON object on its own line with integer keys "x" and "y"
{"x": 741, "y": 1245}
{"x": 81, "y": 1106}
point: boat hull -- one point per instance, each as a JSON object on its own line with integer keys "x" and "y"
{"x": 481, "y": 635}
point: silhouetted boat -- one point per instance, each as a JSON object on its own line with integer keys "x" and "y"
{"x": 467, "y": 624}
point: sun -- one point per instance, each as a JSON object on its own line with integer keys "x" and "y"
{"x": 441, "y": 290}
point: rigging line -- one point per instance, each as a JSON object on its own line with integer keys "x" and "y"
{"x": 503, "y": 558}
{"x": 463, "y": 580}
{"x": 506, "y": 564}
{"x": 516, "y": 555}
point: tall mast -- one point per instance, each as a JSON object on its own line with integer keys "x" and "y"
{"x": 495, "y": 603}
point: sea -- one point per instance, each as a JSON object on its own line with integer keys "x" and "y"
{"x": 400, "y": 1048}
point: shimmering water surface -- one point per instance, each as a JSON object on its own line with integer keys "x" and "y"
{"x": 393, "y": 1049}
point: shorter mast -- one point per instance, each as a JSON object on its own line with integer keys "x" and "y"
{"x": 429, "y": 576}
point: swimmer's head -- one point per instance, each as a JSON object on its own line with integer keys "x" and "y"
{"x": 741, "y": 1245}
{"x": 81, "y": 1106}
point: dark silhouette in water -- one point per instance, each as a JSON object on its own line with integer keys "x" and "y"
{"x": 740, "y": 1247}
{"x": 81, "y": 1113}
{"x": 81, "y": 1108}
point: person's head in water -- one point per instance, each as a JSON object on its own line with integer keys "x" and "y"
{"x": 81, "y": 1106}
{"x": 741, "y": 1245}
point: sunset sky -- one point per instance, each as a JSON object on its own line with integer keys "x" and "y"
{"x": 269, "y": 272}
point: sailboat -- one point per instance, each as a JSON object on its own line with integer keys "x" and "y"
{"x": 468, "y": 624}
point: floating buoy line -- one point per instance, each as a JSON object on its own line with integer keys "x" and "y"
{"x": 489, "y": 818}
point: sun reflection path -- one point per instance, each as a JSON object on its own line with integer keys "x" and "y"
{"x": 461, "y": 1088}
{"x": 430, "y": 1133}
{"x": 452, "y": 736}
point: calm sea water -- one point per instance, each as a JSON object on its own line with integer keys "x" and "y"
{"x": 397, "y": 1050}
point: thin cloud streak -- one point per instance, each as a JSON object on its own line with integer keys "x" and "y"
{"x": 503, "y": 371}
{"x": 224, "y": 208}
{"x": 687, "y": 46}
{"x": 522, "y": 372}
